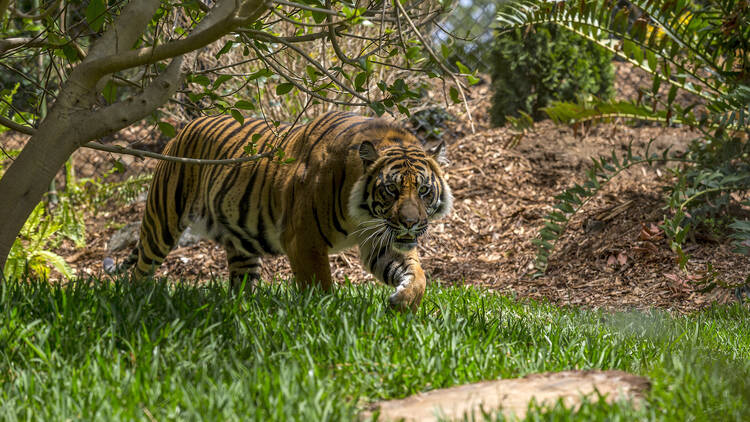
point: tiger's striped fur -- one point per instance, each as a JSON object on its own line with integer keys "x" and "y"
{"x": 355, "y": 181}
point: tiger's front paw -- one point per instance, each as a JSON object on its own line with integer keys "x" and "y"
{"x": 408, "y": 294}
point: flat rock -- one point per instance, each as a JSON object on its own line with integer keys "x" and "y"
{"x": 512, "y": 396}
{"x": 125, "y": 238}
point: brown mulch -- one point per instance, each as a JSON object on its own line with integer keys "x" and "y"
{"x": 613, "y": 255}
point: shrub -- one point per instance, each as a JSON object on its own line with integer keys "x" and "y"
{"x": 532, "y": 68}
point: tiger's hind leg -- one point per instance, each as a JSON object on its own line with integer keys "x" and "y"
{"x": 161, "y": 228}
{"x": 243, "y": 267}
{"x": 153, "y": 248}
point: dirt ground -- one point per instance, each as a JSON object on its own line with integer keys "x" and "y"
{"x": 501, "y": 195}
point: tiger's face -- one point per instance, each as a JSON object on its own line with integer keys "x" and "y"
{"x": 401, "y": 191}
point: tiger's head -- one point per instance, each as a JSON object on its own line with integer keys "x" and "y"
{"x": 401, "y": 190}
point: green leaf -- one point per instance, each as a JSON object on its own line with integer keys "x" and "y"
{"x": 244, "y": 105}
{"x": 651, "y": 59}
{"x": 55, "y": 260}
{"x": 445, "y": 51}
{"x": 413, "y": 53}
{"x": 454, "y": 95}
{"x": 284, "y": 88}
{"x": 118, "y": 166}
{"x": 312, "y": 73}
{"x": 360, "y": 80}
{"x": 378, "y": 107}
{"x": 225, "y": 49}
{"x": 167, "y": 129}
{"x": 403, "y": 109}
{"x": 200, "y": 80}
{"x": 672, "y": 94}
{"x": 237, "y": 115}
{"x": 70, "y": 53}
{"x": 263, "y": 73}
{"x": 220, "y": 80}
{"x": 463, "y": 69}
{"x": 95, "y": 13}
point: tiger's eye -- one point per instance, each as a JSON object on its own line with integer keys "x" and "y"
{"x": 390, "y": 189}
{"x": 424, "y": 190}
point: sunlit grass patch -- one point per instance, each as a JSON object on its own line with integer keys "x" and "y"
{"x": 114, "y": 350}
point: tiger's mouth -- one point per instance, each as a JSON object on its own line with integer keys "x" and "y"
{"x": 405, "y": 243}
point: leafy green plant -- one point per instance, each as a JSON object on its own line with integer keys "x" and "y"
{"x": 702, "y": 50}
{"x": 431, "y": 121}
{"x": 51, "y": 223}
{"x": 573, "y": 199}
{"x": 530, "y": 69}
{"x": 95, "y": 192}
{"x": 31, "y": 252}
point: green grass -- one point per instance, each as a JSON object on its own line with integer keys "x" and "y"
{"x": 115, "y": 351}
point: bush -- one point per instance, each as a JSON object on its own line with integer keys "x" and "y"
{"x": 533, "y": 68}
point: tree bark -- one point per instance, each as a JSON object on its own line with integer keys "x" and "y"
{"x": 73, "y": 120}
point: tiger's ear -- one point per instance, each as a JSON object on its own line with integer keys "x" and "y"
{"x": 437, "y": 152}
{"x": 368, "y": 153}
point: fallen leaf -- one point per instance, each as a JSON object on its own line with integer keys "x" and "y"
{"x": 622, "y": 258}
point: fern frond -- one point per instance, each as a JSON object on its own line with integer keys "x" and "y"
{"x": 575, "y": 198}
{"x": 678, "y": 57}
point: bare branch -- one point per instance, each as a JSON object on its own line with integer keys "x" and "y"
{"x": 223, "y": 18}
{"x": 306, "y": 7}
{"x": 295, "y": 39}
{"x": 148, "y": 154}
{"x": 28, "y": 130}
{"x": 11, "y": 43}
{"x": 299, "y": 86}
{"x": 315, "y": 63}
{"x": 41, "y": 15}
{"x": 333, "y": 36}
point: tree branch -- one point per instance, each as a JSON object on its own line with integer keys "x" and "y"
{"x": 123, "y": 113}
{"x": 295, "y": 39}
{"x": 124, "y": 32}
{"x": 11, "y": 43}
{"x": 41, "y": 15}
{"x": 299, "y": 86}
{"x": 306, "y": 7}
{"x": 28, "y": 130}
{"x": 335, "y": 43}
{"x": 315, "y": 63}
{"x": 148, "y": 154}
{"x": 3, "y": 7}
{"x": 224, "y": 16}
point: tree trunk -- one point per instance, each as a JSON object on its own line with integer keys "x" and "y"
{"x": 25, "y": 182}
{"x": 73, "y": 119}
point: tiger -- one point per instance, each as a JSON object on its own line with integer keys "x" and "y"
{"x": 354, "y": 181}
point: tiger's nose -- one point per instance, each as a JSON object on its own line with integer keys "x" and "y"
{"x": 410, "y": 223}
{"x": 409, "y": 217}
